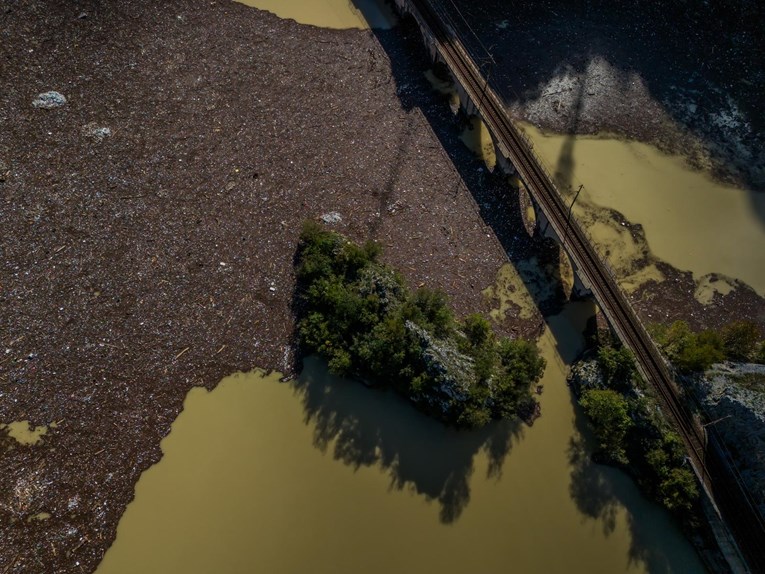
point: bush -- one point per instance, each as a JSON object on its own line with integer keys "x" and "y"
{"x": 360, "y": 317}
{"x": 617, "y": 365}
{"x": 632, "y": 434}
{"x": 609, "y": 413}
{"x": 688, "y": 351}
{"x": 696, "y": 352}
{"x": 740, "y": 340}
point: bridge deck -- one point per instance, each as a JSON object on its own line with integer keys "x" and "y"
{"x": 714, "y": 473}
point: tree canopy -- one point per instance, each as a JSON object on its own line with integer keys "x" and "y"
{"x": 693, "y": 351}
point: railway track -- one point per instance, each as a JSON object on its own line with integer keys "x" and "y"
{"x": 713, "y": 471}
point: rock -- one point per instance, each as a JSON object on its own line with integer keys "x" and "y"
{"x": 96, "y": 132}
{"x": 332, "y": 217}
{"x": 452, "y": 371}
{"x": 382, "y": 285}
{"x": 732, "y": 395}
{"x": 5, "y": 169}
{"x": 586, "y": 375}
{"x": 49, "y": 100}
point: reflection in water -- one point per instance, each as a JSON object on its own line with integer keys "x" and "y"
{"x": 690, "y": 221}
{"x": 445, "y": 87}
{"x": 417, "y": 455}
{"x": 325, "y": 475}
{"x": 340, "y": 14}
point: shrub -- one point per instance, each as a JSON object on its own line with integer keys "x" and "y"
{"x": 689, "y": 351}
{"x": 609, "y": 413}
{"x": 740, "y": 340}
{"x": 617, "y": 365}
{"x": 631, "y": 434}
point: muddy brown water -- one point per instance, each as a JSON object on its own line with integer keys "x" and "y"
{"x": 339, "y": 14}
{"x": 691, "y": 221}
{"x": 24, "y": 432}
{"x": 326, "y": 475}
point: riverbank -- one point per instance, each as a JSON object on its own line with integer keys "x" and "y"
{"x": 157, "y": 256}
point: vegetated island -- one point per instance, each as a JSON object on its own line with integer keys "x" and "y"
{"x": 359, "y": 315}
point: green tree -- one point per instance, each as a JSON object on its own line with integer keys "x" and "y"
{"x": 477, "y": 329}
{"x": 675, "y": 338}
{"x": 700, "y": 352}
{"x": 617, "y": 365}
{"x": 689, "y": 351}
{"x": 609, "y": 413}
{"x": 429, "y": 308}
{"x": 740, "y": 340}
{"x": 678, "y": 490}
{"x": 359, "y": 316}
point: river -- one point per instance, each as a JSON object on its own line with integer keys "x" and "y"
{"x": 325, "y": 475}
{"x": 691, "y": 221}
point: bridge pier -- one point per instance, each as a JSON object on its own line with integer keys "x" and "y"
{"x": 503, "y": 162}
{"x": 581, "y": 288}
{"x": 466, "y": 104}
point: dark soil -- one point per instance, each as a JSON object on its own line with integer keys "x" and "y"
{"x": 159, "y": 258}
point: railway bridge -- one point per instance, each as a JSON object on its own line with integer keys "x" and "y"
{"x": 706, "y": 452}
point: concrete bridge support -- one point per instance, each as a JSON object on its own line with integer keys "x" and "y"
{"x": 581, "y": 288}
{"x": 503, "y": 162}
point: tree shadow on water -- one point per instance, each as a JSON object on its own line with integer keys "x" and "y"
{"x": 364, "y": 427}
{"x": 602, "y": 492}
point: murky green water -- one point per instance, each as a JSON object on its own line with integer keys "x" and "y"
{"x": 690, "y": 221}
{"x": 325, "y": 475}
{"x": 340, "y": 14}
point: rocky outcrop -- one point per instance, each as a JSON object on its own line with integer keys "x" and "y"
{"x": 49, "y": 100}
{"x": 585, "y": 375}
{"x": 733, "y": 395}
{"x": 382, "y": 285}
{"x": 451, "y": 370}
